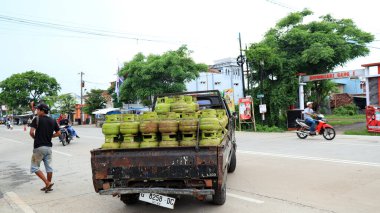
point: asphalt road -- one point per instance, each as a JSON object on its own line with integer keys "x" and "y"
{"x": 276, "y": 172}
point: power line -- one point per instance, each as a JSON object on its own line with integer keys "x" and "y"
{"x": 280, "y": 4}
{"x": 90, "y": 82}
{"x": 81, "y": 30}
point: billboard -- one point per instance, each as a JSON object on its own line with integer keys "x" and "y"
{"x": 373, "y": 119}
{"x": 245, "y": 110}
{"x": 334, "y": 75}
{"x": 228, "y": 95}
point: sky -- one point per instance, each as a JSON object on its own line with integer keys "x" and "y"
{"x": 64, "y": 38}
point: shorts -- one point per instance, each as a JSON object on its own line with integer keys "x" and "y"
{"x": 42, "y": 153}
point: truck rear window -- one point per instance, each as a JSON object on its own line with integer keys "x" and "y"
{"x": 204, "y": 102}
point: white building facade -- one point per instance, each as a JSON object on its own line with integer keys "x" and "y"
{"x": 225, "y": 74}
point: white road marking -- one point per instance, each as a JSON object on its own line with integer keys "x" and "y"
{"x": 62, "y": 153}
{"x": 24, "y": 143}
{"x": 311, "y": 158}
{"x": 10, "y": 140}
{"x": 245, "y": 198}
{"x": 12, "y": 197}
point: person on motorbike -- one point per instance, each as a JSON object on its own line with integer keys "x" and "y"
{"x": 65, "y": 122}
{"x": 8, "y": 123}
{"x": 308, "y": 114}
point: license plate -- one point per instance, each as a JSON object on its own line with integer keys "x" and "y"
{"x": 157, "y": 199}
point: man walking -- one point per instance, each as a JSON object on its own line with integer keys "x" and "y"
{"x": 43, "y": 129}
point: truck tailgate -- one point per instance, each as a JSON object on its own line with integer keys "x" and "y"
{"x": 118, "y": 168}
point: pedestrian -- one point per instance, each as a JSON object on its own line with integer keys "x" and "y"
{"x": 43, "y": 129}
{"x": 308, "y": 113}
{"x": 24, "y": 122}
{"x": 29, "y": 121}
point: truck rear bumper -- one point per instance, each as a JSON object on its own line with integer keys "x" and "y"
{"x": 172, "y": 191}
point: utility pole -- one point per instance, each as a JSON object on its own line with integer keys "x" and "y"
{"x": 241, "y": 63}
{"x": 81, "y": 96}
{"x": 246, "y": 65}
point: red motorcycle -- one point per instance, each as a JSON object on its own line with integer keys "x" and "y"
{"x": 322, "y": 128}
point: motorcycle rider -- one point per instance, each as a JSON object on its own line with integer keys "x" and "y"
{"x": 65, "y": 122}
{"x": 308, "y": 113}
{"x": 8, "y": 123}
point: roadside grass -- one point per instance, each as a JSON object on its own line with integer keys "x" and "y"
{"x": 361, "y": 131}
{"x": 259, "y": 128}
{"x": 341, "y": 120}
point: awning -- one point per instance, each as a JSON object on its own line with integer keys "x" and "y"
{"x": 105, "y": 111}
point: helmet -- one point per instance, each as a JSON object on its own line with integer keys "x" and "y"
{"x": 308, "y": 103}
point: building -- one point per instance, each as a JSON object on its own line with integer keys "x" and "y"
{"x": 224, "y": 74}
{"x": 350, "y": 86}
{"x": 355, "y": 87}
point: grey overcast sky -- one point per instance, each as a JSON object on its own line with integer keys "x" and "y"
{"x": 63, "y": 38}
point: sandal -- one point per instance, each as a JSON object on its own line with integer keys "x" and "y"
{"x": 48, "y": 188}
{"x": 43, "y": 189}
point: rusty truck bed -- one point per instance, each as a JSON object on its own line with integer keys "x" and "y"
{"x": 173, "y": 170}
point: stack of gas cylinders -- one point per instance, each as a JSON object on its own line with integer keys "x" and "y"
{"x": 176, "y": 121}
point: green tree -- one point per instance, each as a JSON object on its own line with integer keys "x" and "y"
{"x": 150, "y": 75}
{"x": 19, "y": 89}
{"x": 66, "y": 104}
{"x": 292, "y": 47}
{"x": 94, "y": 101}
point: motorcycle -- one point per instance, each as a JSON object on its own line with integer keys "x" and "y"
{"x": 65, "y": 136}
{"x": 322, "y": 128}
{"x": 9, "y": 125}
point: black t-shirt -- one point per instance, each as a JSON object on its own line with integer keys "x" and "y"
{"x": 45, "y": 130}
{"x": 64, "y": 122}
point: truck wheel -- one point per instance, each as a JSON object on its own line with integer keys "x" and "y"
{"x": 219, "y": 198}
{"x": 232, "y": 166}
{"x": 129, "y": 199}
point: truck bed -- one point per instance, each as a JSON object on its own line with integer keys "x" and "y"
{"x": 124, "y": 171}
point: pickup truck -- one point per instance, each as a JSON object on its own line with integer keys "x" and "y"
{"x": 196, "y": 171}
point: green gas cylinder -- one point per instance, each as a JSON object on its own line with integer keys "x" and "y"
{"x": 189, "y": 122}
{"x": 169, "y": 124}
{"x": 192, "y": 103}
{"x": 111, "y": 125}
{"x": 223, "y": 119}
{"x": 209, "y": 121}
{"x": 179, "y": 105}
{"x": 210, "y": 142}
{"x": 129, "y": 125}
{"x": 163, "y": 105}
{"x": 149, "y": 123}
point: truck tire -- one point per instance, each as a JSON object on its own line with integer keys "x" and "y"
{"x": 219, "y": 198}
{"x": 232, "y": 166}
{"x": 129, "y": 199}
